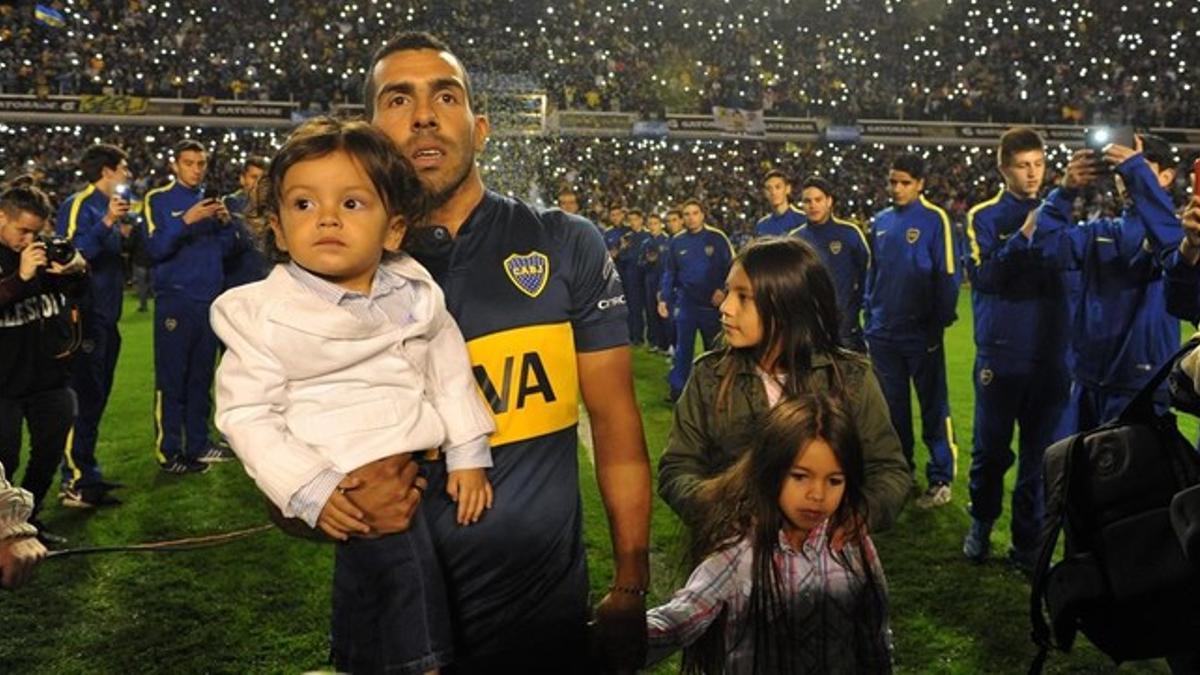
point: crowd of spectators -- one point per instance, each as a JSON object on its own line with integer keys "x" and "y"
{"x": 1005, "y": 60}
{"x": 649, "y": 174}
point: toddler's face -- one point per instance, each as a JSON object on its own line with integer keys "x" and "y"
{"x": 332, "y": 222}
{"x": 812, "y": 490}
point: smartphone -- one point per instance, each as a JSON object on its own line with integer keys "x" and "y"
{"x": 122, "y": 190}
{"x": 211, "y": 193}
{"x": 1099, "y": 138}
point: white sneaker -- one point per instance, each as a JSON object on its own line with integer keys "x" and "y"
{"x": 938, "y": 494}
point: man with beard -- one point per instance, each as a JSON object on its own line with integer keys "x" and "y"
{"x": 540, "y": 305}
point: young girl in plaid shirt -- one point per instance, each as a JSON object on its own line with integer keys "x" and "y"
{"x": 777, "y": 590}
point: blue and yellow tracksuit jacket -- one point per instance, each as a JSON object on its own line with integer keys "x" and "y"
{"x": 81, "y": 219}
{"x": 187, "y": 258}
{"x": 779, "y": 224}
{"x": 843, "y": 249}
{"x": 695, "y": 266}
{"x": 1121, "y": 330}
{"x": 1018, "y": 294}
{"x": 912, "y": 284}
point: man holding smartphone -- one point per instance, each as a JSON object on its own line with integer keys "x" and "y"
{"x": 89, "y": 219}
{"x": 187, "y": 237}
{"x": 1120, "y": 329}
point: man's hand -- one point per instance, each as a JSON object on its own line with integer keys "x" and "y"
{"x": 223, "y": 212}
{"x": 663, "y": 311}
{"x": 18, "y": 557}
{"x": 471, "y": 490}
{"x": 1030, "y": 224}
{"x": 718, "y": 297}
{"x": 1081, "y": 170}
{"x": 118, "y": 207}
{"x": 77, "y": 265}
{"x": 621, "y": 631}
{"x": 33, "y": 256}
{"x": 340, "y": 518}
{"x": 203, "y": 210}
{"x": 1115, "y": 154}
{"x": 388, "y": 493}
{"x": 1189, "y": 248}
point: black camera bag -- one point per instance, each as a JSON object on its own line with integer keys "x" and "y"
{"x": 1125, "y": 580}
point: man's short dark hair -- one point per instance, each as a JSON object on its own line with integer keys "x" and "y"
{"x": 692, "y": 200}
{"x": 99, "y": 157}
{"x": 819, "y": 183}
{"x": 256, "y": 162}
{"x": 29, "y": 199}
{"x": 1018, "y": 139}
{"x": 189, "y": 145}
{"x": 1156, "y": 149}
{"x": 635, "y": 212}
{"x": 678, "y": 212}
{"x": 776, "y": 173}
{"x": 911, "y": 164}
{"x": 404, "y": 42}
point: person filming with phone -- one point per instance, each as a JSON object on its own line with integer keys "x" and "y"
{"x": 188, "y": 236}
{"x": 1120, "y": 329}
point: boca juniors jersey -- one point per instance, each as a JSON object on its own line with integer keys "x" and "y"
{"x": 530, "y": 289}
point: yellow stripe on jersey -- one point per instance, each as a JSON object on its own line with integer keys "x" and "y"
{"x": 857, "y": 230}
{"x": 529, "y": 377}
{"x": 976, "y": 255}
{"x": 149, "y": 210}
{"x": 73, "y": 217}
{"x": 947, "y": 233}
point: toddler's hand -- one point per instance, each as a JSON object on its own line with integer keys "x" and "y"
{"x": 470, "y": 489}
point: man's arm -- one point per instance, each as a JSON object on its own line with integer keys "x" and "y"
{"x": 623, "y": 473}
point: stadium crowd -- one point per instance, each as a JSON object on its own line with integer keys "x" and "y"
{"x": 1078, "y": 63}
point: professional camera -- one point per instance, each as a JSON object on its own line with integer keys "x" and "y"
{"x": 58, "y": 249}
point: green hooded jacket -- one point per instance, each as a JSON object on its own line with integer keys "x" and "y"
{"x": 704, "y": 441}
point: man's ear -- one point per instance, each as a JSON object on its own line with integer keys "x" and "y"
{"x": 395, "y": 234}
{"x": 482, "y": 129}
{"x": 1166, "y": 177}
{"x": 277, "y": 230}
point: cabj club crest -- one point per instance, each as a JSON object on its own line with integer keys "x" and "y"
{"x": 835, "y": 247}
{"x": 912, "y": 235}
{"x": 528, "y": 272}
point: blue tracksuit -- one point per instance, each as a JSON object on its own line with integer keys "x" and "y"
{"x": 779, "y": 224}
{"x": 911, "y": 294}
{"x": 1121, "y": 330}
{"x": 629, "y": 247}
{"x": 650, "y": 262}
{"x": 188, "y": 276}
{"x": 1021, "y": 322}
{"x": 81, "y": 219}
{"x": 696, "y": 265}
{"x": 612, "y": 239}
{"x": 844, "y": 252}
{"x": 245, "y": 263}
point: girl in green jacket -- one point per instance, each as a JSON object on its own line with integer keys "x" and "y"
{"x": 780, "y": 325}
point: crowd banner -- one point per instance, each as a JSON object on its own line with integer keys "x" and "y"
{"x": 517, "y": 113}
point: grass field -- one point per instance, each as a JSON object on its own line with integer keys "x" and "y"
{"x": 261, "y": 604}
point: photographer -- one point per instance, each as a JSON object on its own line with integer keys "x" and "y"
{"x": 37, "y": 334}
{"x": 1120, "y": 328}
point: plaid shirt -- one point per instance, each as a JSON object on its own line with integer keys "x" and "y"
{"x": 819, "y": 589}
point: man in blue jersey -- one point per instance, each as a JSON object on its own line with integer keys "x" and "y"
{"x": 911, "y": 294}
{"x": 632, "y": 280}
{"x": 245, "y": 262}
{"x": 694, "y": 271}
{"x": 90, "y": 219}
{"x": 1121, "y": 330}
{"x": 188, "y": 236}
{"x": 650, "y": 263}
{"x": 1021, "y": 378}
{"x": 615, "y": 230}
{"x": 540, "y": 305}
{"x": 844, "y": 251}
{"x": 777, "y": 188}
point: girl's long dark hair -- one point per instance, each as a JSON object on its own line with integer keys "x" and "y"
{"x": 743, "y": 502}
{"x": 797, "y": 305}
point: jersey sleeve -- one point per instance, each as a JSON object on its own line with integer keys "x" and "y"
{"x": 598, "y": 311}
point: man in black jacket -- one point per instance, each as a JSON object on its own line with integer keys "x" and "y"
{"x": 38, "y": 330}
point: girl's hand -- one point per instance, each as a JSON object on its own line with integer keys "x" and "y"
{"x": 470, "y": 489}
